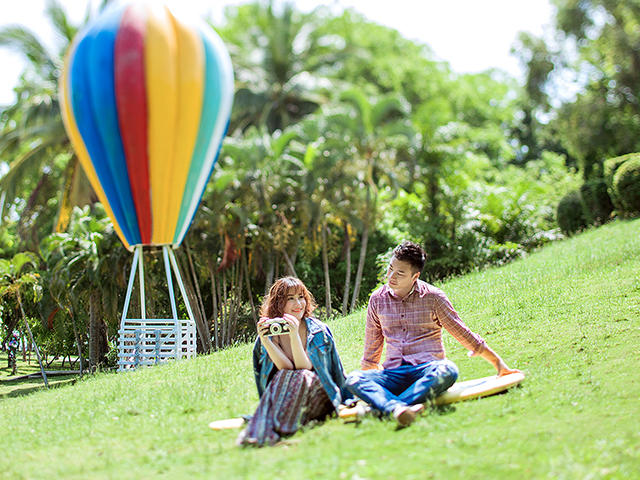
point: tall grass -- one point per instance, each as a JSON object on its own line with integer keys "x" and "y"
{"x": 568, "y": 315}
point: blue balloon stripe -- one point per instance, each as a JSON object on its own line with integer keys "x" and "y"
{"x": 218, "y": 100}
{"x": 104, "y": 109}
{"x": 180, "y": 234}
{"x": 80, "y": 97}
{"x": 210, "y": 108}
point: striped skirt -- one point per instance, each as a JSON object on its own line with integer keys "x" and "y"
{"x": 291, "y": 399}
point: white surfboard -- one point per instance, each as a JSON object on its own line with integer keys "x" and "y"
{"x": 479, "y": 387}
{"x": 458, "y": 392}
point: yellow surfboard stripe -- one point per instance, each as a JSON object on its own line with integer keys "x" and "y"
{"x": 79, "y": 146}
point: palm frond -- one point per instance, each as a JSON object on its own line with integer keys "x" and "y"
{"x": 25, "y": 42}
{"x": 60, "y": 20}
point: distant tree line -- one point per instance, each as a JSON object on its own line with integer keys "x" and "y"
{"x": 345, "y": 138}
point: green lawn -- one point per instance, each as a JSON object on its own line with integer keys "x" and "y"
{"x": 569, "y": 316}
{"x": 16, "y": 388}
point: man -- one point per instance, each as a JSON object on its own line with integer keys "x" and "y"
{"x": 409, "y": 315}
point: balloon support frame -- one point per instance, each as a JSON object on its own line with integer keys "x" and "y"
{"x": 151, "y": 341}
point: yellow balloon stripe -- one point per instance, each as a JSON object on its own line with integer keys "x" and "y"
{"x": 162, "y": 106}
{"x": 79, "y": 146}
{"x": 190, "y": 75}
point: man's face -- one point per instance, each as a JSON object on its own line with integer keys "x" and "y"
{"x": 400, "y": 276}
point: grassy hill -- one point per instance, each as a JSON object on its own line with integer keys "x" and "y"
{"x": 568, "y": 315}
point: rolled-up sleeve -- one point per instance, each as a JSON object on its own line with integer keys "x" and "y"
{"x": 373, "y": 338}
{"x": 450, "y": 320}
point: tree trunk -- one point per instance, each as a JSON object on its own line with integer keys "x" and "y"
{"x": 363, "y": 254}
{"x": 202, "y": 314}
{"x": 33, "y": 342}
{"x": 214, "y": 301}
{"x": 225, "y": 309}
{"x": 290, "y": 267}
{"x": 78, "y": 342}
{"x": 196, "y": 284}
{"x": 93, "y": 333}
{"x": 201, "y": 324}
{"x": 347, "y": 276}
{"x": 269, "y": 276}
{"x": 325, "y": 267}
{"x": 245, "y": 266}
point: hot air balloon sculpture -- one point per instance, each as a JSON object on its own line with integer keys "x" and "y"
{"x": 146, "y": 99}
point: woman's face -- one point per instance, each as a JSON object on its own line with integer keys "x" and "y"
{"x": 296, "y": 304}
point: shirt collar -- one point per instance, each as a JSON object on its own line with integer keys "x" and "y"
{"x": 312, "y": 326}
{"x": 419, "y": 287}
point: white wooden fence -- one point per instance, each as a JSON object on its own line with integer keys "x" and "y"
{"x": 153, "y": 341}
{"x": 150, "y": 341}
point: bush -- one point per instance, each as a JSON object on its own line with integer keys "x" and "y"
{"x": 570, "y": 215}
{"x": 596, "y": 202}
{"x": 626, "y": 185}
{"x": 611, "y": 166}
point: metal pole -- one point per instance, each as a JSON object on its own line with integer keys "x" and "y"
{"x": 182, "y": 290}
{"x": 177, "y": 329}
{"x": 167, "y": 269}
{"x": 143, "y": 309}
{"x": 174, "y": 264}
{"x": 132, "y": 275}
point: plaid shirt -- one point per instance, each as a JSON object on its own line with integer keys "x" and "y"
{"x": 412, "y": 327}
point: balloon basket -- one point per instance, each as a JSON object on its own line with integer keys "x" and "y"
{"x": 152, "y": 341}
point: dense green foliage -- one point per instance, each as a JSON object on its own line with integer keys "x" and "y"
{"x": 570, "y": 213}
{"x": 596, "y": 202}
{"x": 345, "y": 139}
{"x": 626, "y": 185}
{"x": 567, "y": 316}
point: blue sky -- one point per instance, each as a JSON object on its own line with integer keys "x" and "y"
{"x": 471, "y": 35}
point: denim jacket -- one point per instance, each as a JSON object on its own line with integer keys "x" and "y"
{"x": 322, "y": 352}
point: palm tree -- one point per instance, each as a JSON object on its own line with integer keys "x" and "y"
{"x": 279, "y": 57}
{"x": 81, "y": 265}
{"x": 33, "y": 141}
{"x": 16, "y": 281}
{"x": 372, "y": 130}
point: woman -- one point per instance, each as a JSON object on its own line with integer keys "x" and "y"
{"x": 298, "y": 374}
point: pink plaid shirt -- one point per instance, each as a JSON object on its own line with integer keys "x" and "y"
{"x": 412, "y": 327}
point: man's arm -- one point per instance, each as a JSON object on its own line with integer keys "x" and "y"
{"x": 450, "y": 319}
{"x": 494, "y": 359}
{"x": 373, "y": 339}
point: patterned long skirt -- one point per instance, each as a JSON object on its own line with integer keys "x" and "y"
{"x": 291, "y": 399}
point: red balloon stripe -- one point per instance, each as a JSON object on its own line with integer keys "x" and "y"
{"x": 131, "y": 99}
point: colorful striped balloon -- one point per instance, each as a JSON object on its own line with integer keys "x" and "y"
{"x": 146, "y": 100}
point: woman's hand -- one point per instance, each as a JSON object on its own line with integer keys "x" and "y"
{"x": 278, "y": 357}
{"x": 293, "y": 322}
{"x": 263, "y": 328}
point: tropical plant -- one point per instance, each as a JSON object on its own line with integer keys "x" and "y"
{"x": 17, "y": 282}
{"x": 81, "y": 265}
{"x": 33, "y": 141}
{"x": 279, "y": 59}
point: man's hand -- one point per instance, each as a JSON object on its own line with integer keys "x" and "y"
{"x": 503, "y": 369}
{"x": 494, "y": 359}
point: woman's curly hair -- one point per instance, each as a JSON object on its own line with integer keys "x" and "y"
{"x": 273, "y": 304}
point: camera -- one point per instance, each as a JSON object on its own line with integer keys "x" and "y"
{"x": 278, "y": 326}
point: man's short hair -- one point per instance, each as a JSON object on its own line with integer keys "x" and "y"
{"x": 411, "y": 253}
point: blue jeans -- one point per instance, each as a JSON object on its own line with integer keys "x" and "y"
{"x": 404, "y": 385}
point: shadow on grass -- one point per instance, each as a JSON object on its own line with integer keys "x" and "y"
{"x": 19, "y": 388}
